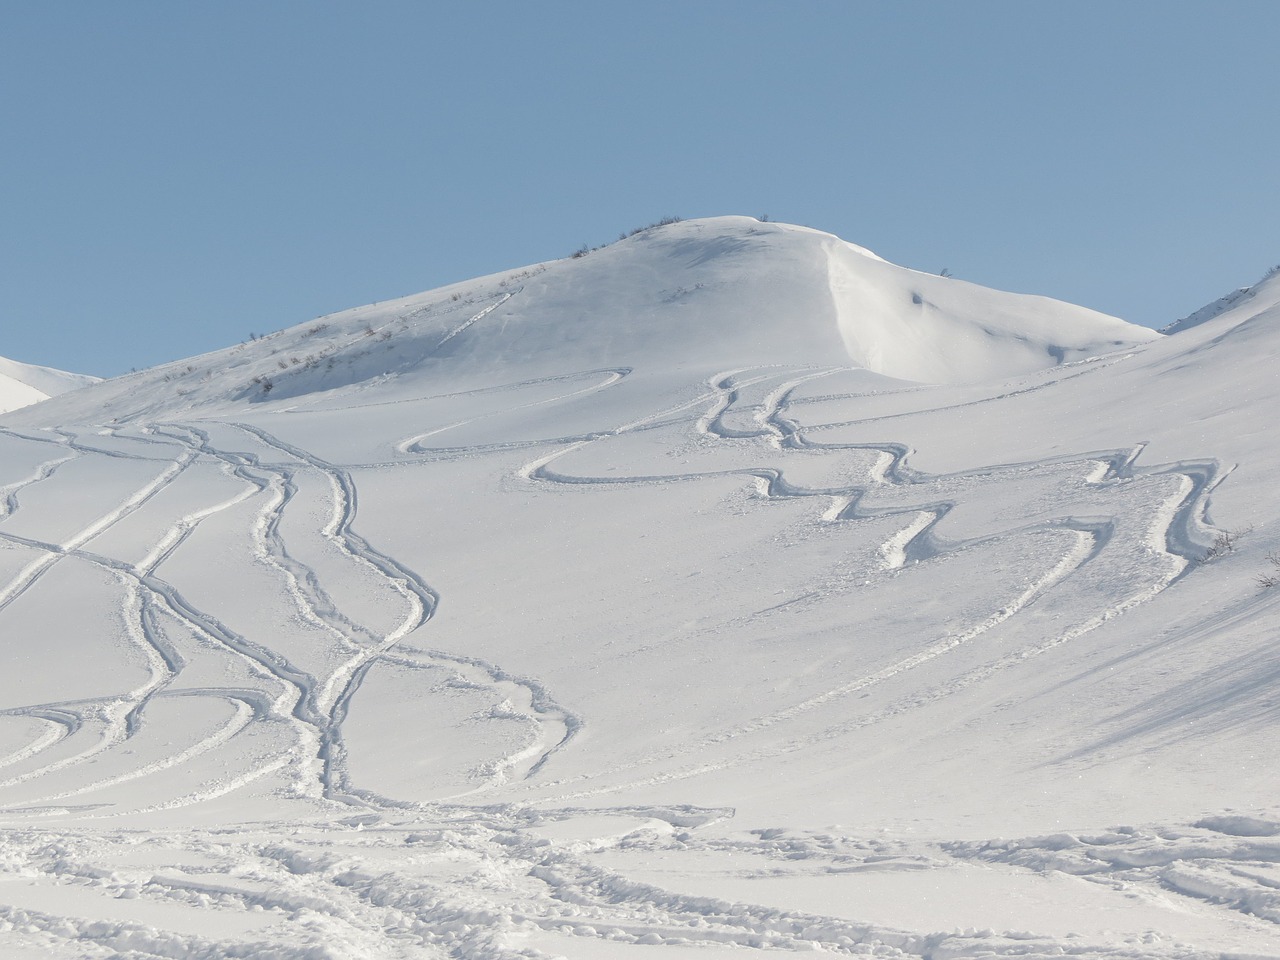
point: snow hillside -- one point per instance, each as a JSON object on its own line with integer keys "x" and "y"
{"x": 726, "y": 290}
{"x": 22, "y": 384}
{"x": 701, "y": 595}
{"x": 1223, "y": 304}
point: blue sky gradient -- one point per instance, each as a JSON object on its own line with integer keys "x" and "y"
{"x": 181, "y": 175}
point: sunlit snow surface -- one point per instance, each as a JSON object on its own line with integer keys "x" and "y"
{"x": 22, "y": 384}
{"x": 609, "y": 608}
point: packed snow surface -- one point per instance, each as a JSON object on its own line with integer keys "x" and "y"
{"x": 725, "y": 589}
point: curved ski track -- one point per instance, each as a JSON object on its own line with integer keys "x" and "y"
{"x": 315, "y": 707}
{"x": 513, "y": 893}
{"x": 1184, "y": 534}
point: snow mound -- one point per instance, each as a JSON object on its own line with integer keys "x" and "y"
{"x": 917, "y": 326}
{"x": 704, "y": 292}
{"x": 22, "y": 384}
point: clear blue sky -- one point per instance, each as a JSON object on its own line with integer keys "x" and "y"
{"x": 177, "y": 175}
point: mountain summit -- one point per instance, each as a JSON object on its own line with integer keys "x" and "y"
{"x": 717, "y": 291}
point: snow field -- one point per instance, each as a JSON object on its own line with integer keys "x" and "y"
{"x": 629, "y": 607}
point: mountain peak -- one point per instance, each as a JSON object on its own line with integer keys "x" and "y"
{"x": 714, "y": 292}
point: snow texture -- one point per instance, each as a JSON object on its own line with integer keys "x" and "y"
{"x": 727, "y": 588}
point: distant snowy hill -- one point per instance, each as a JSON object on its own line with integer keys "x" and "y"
{"x": 22, "y": 384}
{"x": 724, "y": 592}
{"x": 724, "y": 288}
{"x": 1221, "y": 305}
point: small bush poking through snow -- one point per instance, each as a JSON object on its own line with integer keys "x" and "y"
{"x": 1268, "y": 580}
{"x": 1223, "y": 544}
{"x": 585, "y": 249}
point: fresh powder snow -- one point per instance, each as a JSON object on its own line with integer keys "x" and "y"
{"x": 725, "y": 591}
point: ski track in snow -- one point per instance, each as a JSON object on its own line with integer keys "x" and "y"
{"x": 511, "y": 885}
{"x": 1178, "y": 530}
{"x": 10, "y": 491}
{"x": 422, "y": 601}
{"x": 315, "y": 706}
{"x": 1181, "y": 533}
{"x": 414, "y": 444}
{"x": 477, "y": 317}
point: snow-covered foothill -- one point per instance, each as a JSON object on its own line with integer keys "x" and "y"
{"x": 22, "y": 384}
{"x": 727, "y": 290}
{"x": 706, "y": 593}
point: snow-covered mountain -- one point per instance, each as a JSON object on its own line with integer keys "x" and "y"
{"x": 22, "y": 384}
{"x": 724, "y": 588}
{"x": 704, "y": 292}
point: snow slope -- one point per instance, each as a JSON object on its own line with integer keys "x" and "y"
{"x": 1219, "y": 306}
{"x": 22, "y": 384}
{"x": 729, "y": 290}
{"x": 640, "y": 605}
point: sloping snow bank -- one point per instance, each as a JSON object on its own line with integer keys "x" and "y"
{"x": 22, "y": 384}
{"x": 1267, "y": 287}
{"x": 917, "y": 326}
